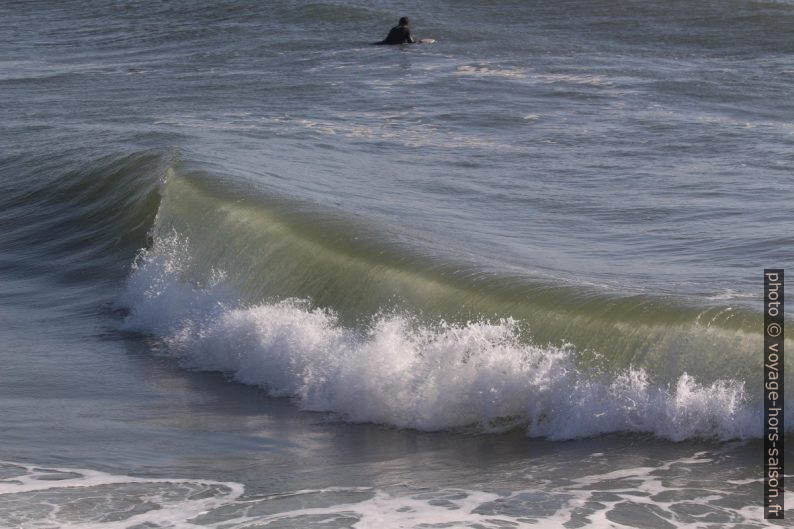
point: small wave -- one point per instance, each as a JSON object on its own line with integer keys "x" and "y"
{"x": 362, "y": 126}
{"x": 484, "y": 71}
{"x": 521, "y": 73}
{"x": 595, "y": 80}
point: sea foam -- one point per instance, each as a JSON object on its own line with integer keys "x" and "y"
{"x": 398, "y": 370}
{"x": 76, "y": 498}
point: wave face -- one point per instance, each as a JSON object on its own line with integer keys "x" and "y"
{"x": 74, "y": 222}
{"x": 290, "y": 301}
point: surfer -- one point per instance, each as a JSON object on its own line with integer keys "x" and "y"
{"x": 399, "y": 34}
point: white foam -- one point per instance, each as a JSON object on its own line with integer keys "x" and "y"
{"x": 78, "y": 498}
{"x": 404, "y": 373}
{"x": 68, "y": 498}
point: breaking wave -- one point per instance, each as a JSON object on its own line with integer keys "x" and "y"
{"x": 399, "y": 370}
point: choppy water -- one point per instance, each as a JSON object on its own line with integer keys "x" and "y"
{"x": 541, "y": 237}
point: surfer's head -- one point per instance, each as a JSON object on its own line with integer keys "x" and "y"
{"x": 405, "y": 22}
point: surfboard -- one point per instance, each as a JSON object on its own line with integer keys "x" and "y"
{"x": 420, "y": 41}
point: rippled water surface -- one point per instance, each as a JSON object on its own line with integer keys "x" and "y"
{"x": 256, "y": 272}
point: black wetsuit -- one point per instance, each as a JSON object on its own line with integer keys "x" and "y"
{"x": 398, "y": 35}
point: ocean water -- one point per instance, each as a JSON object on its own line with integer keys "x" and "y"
{"x": 257, "y": 273}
